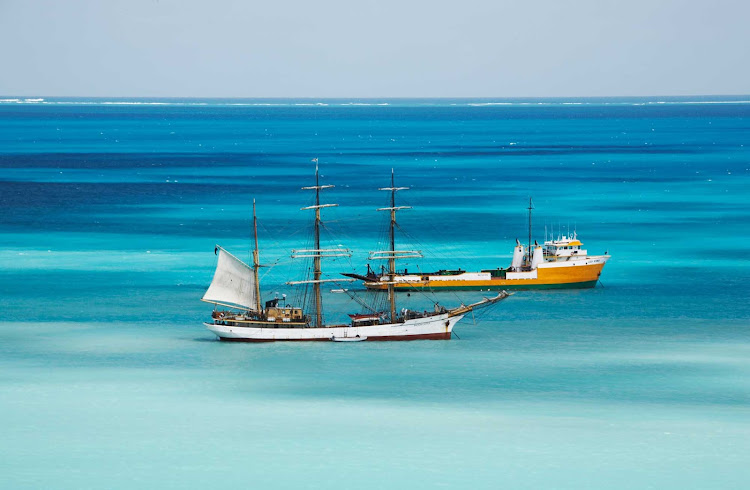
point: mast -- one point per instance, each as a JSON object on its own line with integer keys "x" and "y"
{"x": 392, "y": 258}
{"x": 256, "y": 263}
{"x": 392, "y": 254}
{"x": 317, "y": 253}
{"x": 316, "y": 260}
{"x": 528, "y": 250}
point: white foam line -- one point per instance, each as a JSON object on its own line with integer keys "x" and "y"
{"x": 363, "y": 104}
{"x": 482, "y": 104}
{"x": 715, "y": 102}
{"x": 559, "y": 104}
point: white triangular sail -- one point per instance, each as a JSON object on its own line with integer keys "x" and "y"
{"x": 233, "y": 284}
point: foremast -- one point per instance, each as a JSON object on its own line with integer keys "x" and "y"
{"x": 392, "y": 254}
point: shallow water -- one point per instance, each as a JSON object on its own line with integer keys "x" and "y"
{"x": 111, "y": 213}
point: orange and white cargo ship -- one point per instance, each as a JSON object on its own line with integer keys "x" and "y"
{"x": 560, "y": 263}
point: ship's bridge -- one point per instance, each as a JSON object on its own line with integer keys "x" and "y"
{"x": 565, "y": 246}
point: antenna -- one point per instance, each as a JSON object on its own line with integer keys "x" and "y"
{"x": 528, "y": 251}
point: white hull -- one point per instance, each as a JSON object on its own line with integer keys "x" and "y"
{"x": 433, "y": 327}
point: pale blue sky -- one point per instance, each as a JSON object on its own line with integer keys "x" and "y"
{"x": 383, "y": 48}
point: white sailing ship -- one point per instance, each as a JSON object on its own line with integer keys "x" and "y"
{"x": 236, "y": 287}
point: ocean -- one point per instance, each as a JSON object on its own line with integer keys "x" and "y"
{"x": 111, "y": 210}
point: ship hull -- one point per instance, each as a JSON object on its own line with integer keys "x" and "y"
{"x": 575, "y": 274}
{"x": 492, "y": 286}
{"x": 438, "y": 327}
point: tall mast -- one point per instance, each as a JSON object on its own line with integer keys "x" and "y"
{"x": 392, "y": 254}
{"x": 317, "y": 253}
{"x": 392, "y": 258}
{"x": 528, "y": 250}
{"x": 316, "y": 259}
{"x": 256, "y": 262}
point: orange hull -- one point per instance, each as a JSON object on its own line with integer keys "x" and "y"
{"x": 548, "y": 276}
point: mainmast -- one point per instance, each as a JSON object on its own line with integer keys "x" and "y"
{"x": 317, "y": 253}
{"x": 256, "y": 263}
{"x": 316, "y": 260}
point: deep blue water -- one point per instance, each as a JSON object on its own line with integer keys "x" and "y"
{"x": 110, "y": 216}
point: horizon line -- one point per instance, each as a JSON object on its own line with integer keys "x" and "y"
{"x": 399, "y": 97}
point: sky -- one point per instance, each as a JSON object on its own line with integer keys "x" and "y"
{"x": 383, "y": 48}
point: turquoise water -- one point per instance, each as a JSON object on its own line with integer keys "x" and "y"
{"x": 111, "y": 213}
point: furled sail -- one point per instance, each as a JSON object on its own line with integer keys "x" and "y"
{"x": 233, "y": 284}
